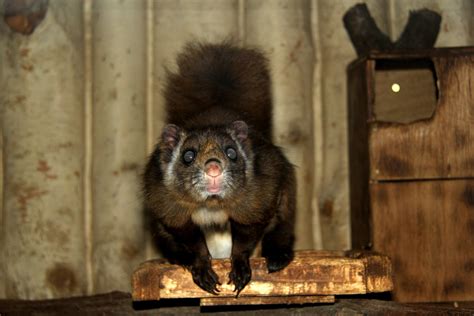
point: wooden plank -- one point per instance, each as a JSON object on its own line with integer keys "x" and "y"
{"x": 267, "y": 300}
{"x": 441, "y": 147}
{"x": 414, "y": 54}
{"x": 310, "y": 273}
{"x": 427, "y": 229}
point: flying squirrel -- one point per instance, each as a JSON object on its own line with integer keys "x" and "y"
{"x": 215, "y": 185}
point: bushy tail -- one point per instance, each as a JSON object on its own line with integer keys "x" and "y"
{"x": 222, "y": 76}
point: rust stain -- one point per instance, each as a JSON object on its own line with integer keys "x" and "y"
{"x": 77, "y": 173}
{"x": 129, "y": 251}
{"x": 292, "y": 56}
{"x": 113, "y": 94}
{"x": 65, "y": 145}
{"x": 328, "y": 208}
{"x": 61, "y": 279}
{"x": 20, "y": 98}
{"x": 24, "y": 52}
{"x": 45, "y": 169}
{"x": 27, "y": 67}
{"x": 126, "y": 166}
{"x": 43, "y": 166}
{"x": 129, "y": 166}
{"x": 24, "y": 194}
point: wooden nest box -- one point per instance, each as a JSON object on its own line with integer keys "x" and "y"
{"x": 411, "y": 134}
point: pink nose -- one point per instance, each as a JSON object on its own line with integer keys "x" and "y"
{"x": 213, "y": 169}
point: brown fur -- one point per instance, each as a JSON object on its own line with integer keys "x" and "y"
{"x": 220, "y": 99}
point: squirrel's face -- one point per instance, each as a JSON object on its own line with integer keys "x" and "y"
{"x": 206, "y": 164}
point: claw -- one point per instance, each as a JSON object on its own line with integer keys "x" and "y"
{"x": 206, "y": 279}
{"x": 240, "y": 276}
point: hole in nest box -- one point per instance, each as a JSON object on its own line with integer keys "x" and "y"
{"x": 405, "y": 90}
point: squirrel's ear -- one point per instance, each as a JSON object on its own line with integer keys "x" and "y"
{"x": 171, "y": 135}
{"x": 240, "y": 130}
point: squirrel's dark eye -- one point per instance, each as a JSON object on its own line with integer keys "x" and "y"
{"x": 189, "y": 156}
{"x": 231, "y": 153}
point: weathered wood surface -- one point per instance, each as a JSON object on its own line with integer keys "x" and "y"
{"x": 404, "y": 95}
{"x": 311, "y": 273}
{"x": 441, "y": 147}
{"x": 427, "y": 229}
{"x": 267, "y": 300}
{"x": 424, "y": 225}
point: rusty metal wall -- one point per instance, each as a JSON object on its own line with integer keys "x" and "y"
{"x": 81, "y": 107}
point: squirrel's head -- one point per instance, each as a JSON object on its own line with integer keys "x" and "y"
{"x": 210, "y": 163}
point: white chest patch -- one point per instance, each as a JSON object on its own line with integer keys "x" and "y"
{"x": 218, "y": 240}
{"x": 205, "y": 217}
{"x": 219, "y": 243}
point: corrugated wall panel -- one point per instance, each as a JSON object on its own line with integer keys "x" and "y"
{"x": 457, "y": 25}
{"x": 42, "y": 95}
{"x": 332, "y": 169}
{"x": 177, "y": 22}
{"x": 283, "y": 29}
{"x": 119, "y": 140}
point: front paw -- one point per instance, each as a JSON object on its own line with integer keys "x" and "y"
{"x": 240, "y": 274}
{"x": 205, "y": 278}
{"x": 277, "y": 261}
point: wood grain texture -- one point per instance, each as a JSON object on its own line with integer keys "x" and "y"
{"x": 267, "y": 300}
{"x": 427, "y": 229}
{"x": 441, "y": 147}
{"x": 311, "y": 273}
{"x": 414, "y": 100}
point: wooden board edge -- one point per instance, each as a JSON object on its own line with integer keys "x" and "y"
{"x": 268, "y": 300}
{"x": 142, "y": 290}
{"x": 378, "y": 273}
{"x": 148, "y": 282}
